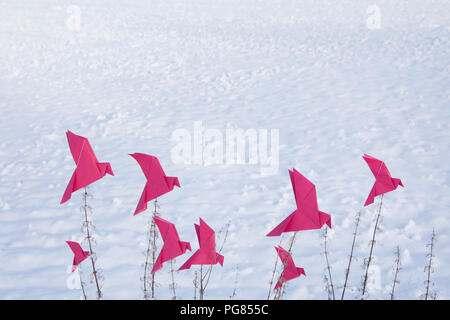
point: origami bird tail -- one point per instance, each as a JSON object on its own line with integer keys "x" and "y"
{"x": 301, "y": 271}
{"x": 326, "y": 218}
{"x": 105, "y": 168}
{"x": 185, "y": 246}
{"x": 173, "y": 181}
{"x": 397, "y": 182}
{"x": 219, "y": 258}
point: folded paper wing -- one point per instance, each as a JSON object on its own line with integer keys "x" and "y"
{"x": 79, "y": 254}
{"x": 88, "y": 169}
{"x": 383, "y": 181}
{"x": 157, "y": 182}
{"x": 307, "y": 216}
{"x": 290, "y": 271}
{"x": 207, "y": 254}
{"x": 172, "y": 247}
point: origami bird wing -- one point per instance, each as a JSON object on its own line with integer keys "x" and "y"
{"x": 151, "y": 168}
{"x": 207, "y": 237}
{"x": 172, "y": 247}
{"x": 383, "y": 180}
{"x": 167, "y": 229}
{"x": 80, "y": 146}
{"x": 305, "y": 196}
{"x": 79, "y": 254}
{"x": 157, "y": 183}
{"x": 377, "y": 167}
{"x": 207, "y": 253}
{"x": 88, "y": 169}
{"x": 290, "y": 271}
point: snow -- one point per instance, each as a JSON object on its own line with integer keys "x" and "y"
{"x": 132, "y": 72}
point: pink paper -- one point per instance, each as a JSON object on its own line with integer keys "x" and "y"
{"x": 290, "y": 271}
{"x": 383, "y": 181}
{"x": 172, "y": 247}
{"x": 207, "y": 253}
{"x": 88, "y": 169}
{"x": 307, "y": 216}
{"x": 157, "y": 181}
{"x": 79, "y": 254}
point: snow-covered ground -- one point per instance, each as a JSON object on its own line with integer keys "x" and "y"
{"x": 335, "y": 80}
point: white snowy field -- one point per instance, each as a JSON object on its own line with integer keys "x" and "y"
{"x": 335, "y": 80}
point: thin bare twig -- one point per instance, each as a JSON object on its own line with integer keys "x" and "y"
{"x": 281, "y": 290}
{"x": 372, "y": 243}
{"x": 85, "y": 209}
{"x": 429, "y": 268}
{"x": 397, "y": 269}
{"x": 328, "y": 263}
{"x": 151, "y": 252}
{"x": 204, "y": 279}
{"x": 273, "y": 273}
{"x": 347, "y": 271}
{"x": 173, "y": 285}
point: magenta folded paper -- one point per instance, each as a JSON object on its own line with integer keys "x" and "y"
{"x": 207, "y": 253}
{"x": 157, "y": 182}
{"x": 307, "y": 216}
{"x": 290, "y": 271}
{"x": 384, "y": 183}
{"x": 172, "y": 247}
{"x": 88, "y": 169}
{"x": 79, "y": 254}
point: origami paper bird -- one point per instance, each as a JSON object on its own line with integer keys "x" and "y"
{"x": 307, "y": 216}
{"x": 290, "y": 271}
{"x": 383, "y": 181}
{"x": 79, "y": 254}
{"x": 207, "y": 253}
{"x": 88, "y": 169}
{"x": 157, "y": 181}
{"x": 172, "y": 247}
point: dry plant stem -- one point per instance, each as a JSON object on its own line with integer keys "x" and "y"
{"x": 204, "y": 279}
{"x": 202, "y": 290}
{"x": 372, "y": 243}
{"x": 173, "y": 281}
{"x": 347, "y": 272}
{"x": 273, "y": 272}
{"x": 430, "y": 262}
{"x": 88, "y": 237}
{"x": 82, "y": 284}
{"x": 151, "y": 251}
{"x": 280, "y": 292}
{"x": 328, "y": 264}
{"x": 397, "y": 269}
{"x": 236, "y": 280}
{"x": 195, "y": 282}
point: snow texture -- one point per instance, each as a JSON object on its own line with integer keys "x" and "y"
{"x": 335, "y": 80}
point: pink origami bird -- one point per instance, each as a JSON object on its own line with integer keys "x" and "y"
{"x": 290, "y": 271}
{"x": 172, "y": 247}
{"x": 79, "y": 254}
{"x": 157, "y": 181}
{"x": 88, "y": 169}
{"x": 207, "y": 253}
{"x": 384, "y": 182}
{"x": 307, "y": 216}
